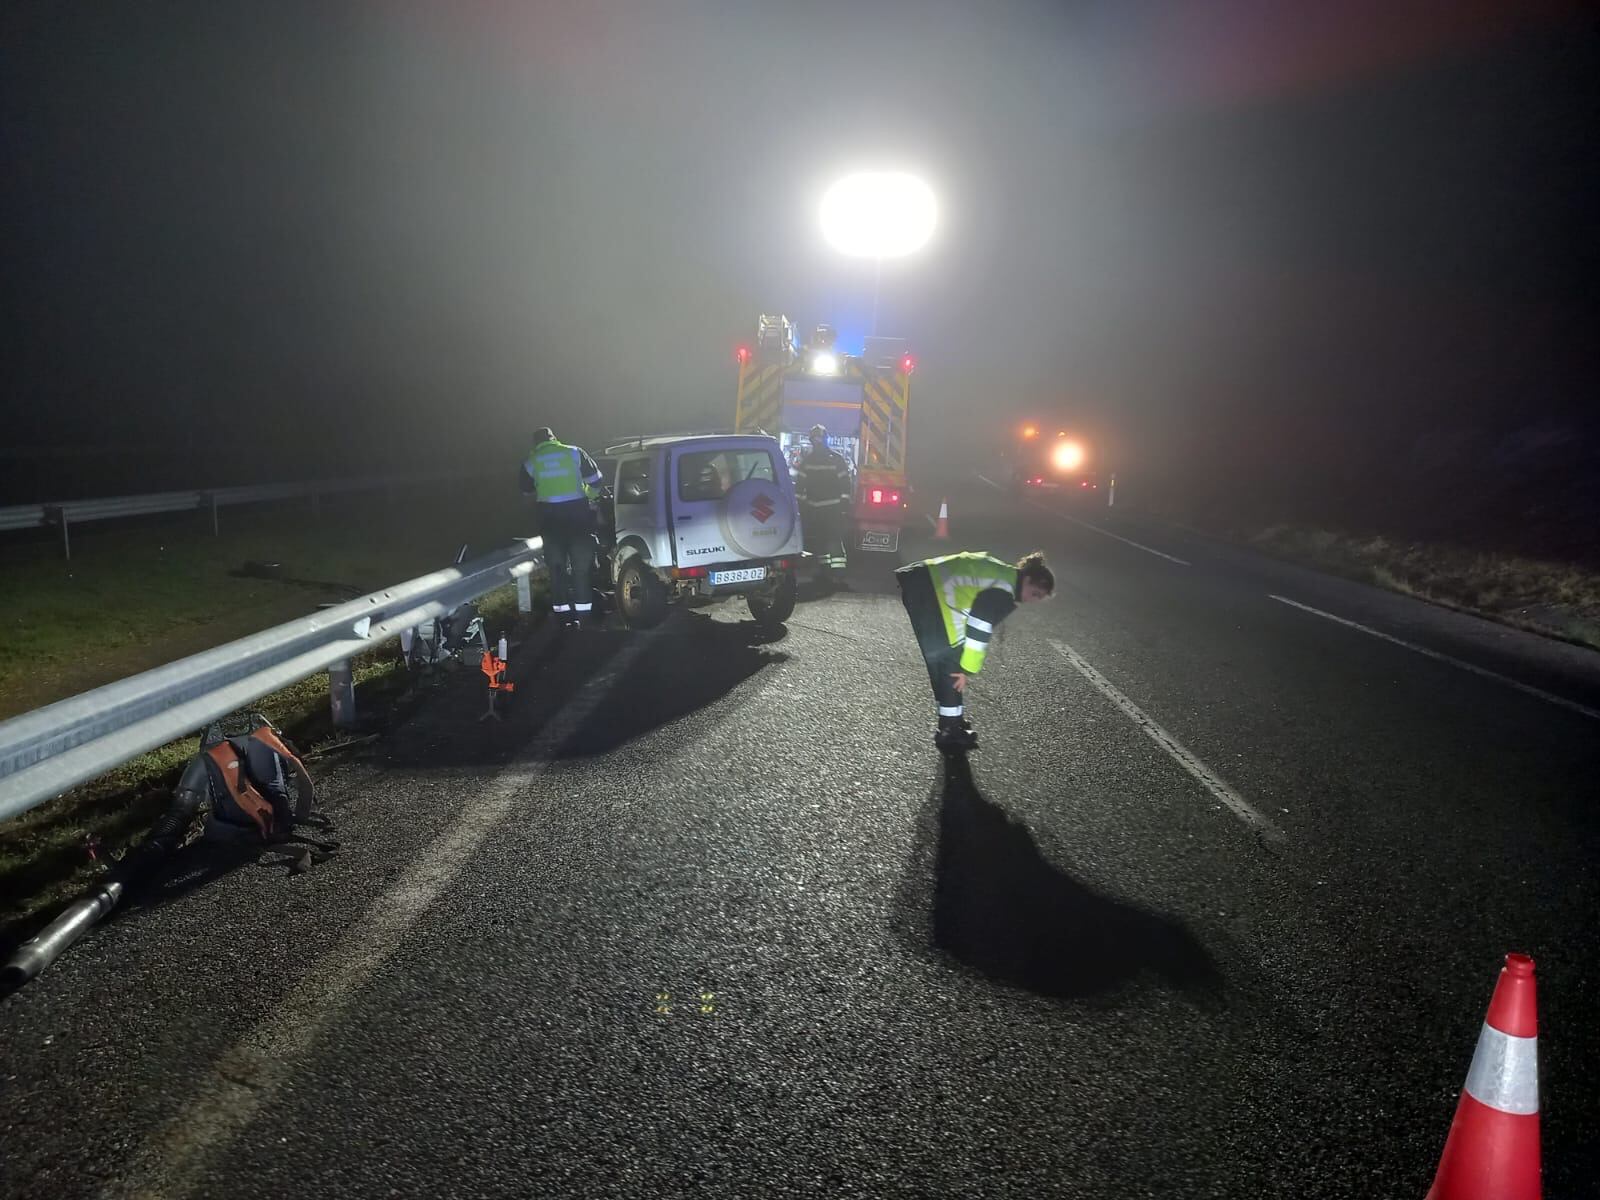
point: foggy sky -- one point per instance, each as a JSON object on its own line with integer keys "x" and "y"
{"x": 413, "y": 229}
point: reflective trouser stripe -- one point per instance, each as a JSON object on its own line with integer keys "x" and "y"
{"x": 981, "y": 645}
{"x": 951, "y": 712}
{"x": 560, "y": 607}
{"x": 583, "y": 607}
{"x": 1505, "y": 1072}
{"x": 979, "y": 625}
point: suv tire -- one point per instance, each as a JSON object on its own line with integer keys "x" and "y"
{"x": 641, "y": 596}
{"x": 772, "y": 608}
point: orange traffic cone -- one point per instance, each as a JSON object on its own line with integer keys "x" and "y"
{"x": 1492, "y": 1152}
{"x": 941, "y": 531}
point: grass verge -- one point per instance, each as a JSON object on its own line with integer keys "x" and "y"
{"x": 45, "y": 854}
{"x": 137, "y": 594}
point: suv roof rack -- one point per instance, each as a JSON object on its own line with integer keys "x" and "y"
{"x": 642, "y": 440}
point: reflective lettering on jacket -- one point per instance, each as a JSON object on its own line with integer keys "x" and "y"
{"x": 561, "y": 473}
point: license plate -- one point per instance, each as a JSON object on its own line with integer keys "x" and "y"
{"x": 880, "y": 539}
{"x": 743, "y": 575}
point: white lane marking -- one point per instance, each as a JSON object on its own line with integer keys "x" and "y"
{"x": 1139, "y": 545}
{"x": 1528, "y": 688}
{"x": 1175, "y": 749}
{"x": 932, "y": 520}
{"x": 173, "y": 1163}
{"x": 991, "y": 483}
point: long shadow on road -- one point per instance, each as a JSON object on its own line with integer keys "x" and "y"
{"x": 1002, "y": 909}
{"x": 670, "y": 673}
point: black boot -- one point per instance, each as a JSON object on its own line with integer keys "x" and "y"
{"x": 955, "y": 733}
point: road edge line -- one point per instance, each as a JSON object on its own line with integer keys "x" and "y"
{"x": 1528, "y": 688}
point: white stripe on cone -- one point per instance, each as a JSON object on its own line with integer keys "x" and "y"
{"x": 1505, "y": 1072}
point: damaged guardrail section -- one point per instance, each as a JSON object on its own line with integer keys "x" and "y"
{"x": 49, "y": 750}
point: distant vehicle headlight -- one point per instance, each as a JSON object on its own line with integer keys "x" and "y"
{"x": 1068, "y": 456}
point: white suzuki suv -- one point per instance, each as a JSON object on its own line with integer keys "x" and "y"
{"x": 700, "y": 518}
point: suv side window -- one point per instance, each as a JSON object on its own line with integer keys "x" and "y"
{"x": 711, "y": 474}
{"x": 636, "y": 480}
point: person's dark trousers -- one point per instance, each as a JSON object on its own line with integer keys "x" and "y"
{"x": 927, "y": 621}
{"x": 568, "y": 532}
{"x": 824, "y": 535}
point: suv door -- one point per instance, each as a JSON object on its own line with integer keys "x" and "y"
{"x": 727, "y": 505}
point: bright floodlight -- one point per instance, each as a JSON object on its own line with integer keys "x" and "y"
{"x": 824, "y": 364}
{"x": 878, "y": 215}
{"x": 1068, "y": 456}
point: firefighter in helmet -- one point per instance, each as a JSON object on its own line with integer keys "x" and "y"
{"x": 822, "y": 483}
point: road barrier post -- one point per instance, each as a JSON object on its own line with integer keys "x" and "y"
{"x": 524, "y": 594}
{"x": 1111, "y": 495}
{"x": 60, "y": 515}
{"x": 342, "y": 694}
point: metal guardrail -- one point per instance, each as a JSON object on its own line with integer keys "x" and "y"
{"x": 64, "y": 513}
{"x": 49, "y": 750}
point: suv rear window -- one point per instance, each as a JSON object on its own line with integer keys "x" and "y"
{"x": 710, "y": 474}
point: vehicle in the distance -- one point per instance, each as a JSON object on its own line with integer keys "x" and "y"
{"x": 699, "y": 518}
{"x": 1060, "y": 463}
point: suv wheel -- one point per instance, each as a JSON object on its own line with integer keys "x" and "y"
{"x": 641, "y": 596}
{"x": 772, "y": 607}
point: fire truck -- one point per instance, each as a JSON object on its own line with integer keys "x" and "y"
{"x": 787, "y": 386}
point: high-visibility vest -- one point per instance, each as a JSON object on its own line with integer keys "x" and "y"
{"x": 557, "y": 470}
{"x": 976, "y": 592}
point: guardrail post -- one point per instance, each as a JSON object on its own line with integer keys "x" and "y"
{"x": 216, "y": 530}
{"x": 60, "y": 515}
{"x": 1111, "y": 496}
{"x": 342, "y": 694}
{"x": 524, "y": 595}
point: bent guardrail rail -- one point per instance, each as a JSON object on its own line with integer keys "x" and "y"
{"x": 49, "y": 750}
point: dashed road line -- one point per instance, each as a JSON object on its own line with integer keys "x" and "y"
{"x": 1175, "y": 749}
{"x": 1527, "y": 688}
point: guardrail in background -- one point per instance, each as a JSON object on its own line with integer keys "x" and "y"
{"x": 51, "y": 749}
{"x": 64, "y": 512}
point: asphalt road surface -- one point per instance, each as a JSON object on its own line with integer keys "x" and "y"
{"x": 1216, "y": 911}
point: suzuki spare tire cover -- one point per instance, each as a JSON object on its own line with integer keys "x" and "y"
{"x": 757, "y": 521}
